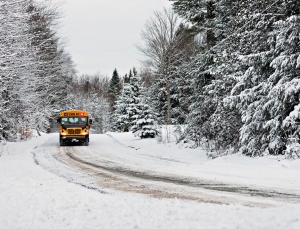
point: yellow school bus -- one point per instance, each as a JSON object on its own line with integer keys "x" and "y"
{"x": 74, "y": 126}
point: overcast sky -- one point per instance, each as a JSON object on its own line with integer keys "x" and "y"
{"x": 101, "y": 34}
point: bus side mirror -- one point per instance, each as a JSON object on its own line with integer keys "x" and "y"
{"x": 90, "y": 121}
{"x": 58, "y": 120}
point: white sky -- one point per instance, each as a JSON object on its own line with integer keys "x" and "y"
{"x": 101, "y": 34}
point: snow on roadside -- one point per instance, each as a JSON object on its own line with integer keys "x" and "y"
{"x": 31, "y": 197}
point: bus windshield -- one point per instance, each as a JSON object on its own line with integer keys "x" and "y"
{"x": 74, "y": 120}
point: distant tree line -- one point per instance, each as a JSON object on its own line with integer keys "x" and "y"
{"x": 90, "y": 93}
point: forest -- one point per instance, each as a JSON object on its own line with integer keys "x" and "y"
{"x": 224, "y": 74}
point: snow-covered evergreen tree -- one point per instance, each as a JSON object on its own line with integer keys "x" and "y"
{"x": 144, "y": 120}
{"x": 276, "y": 111}
{"x": 257, "y": 50}
{"x": 201, "y": 81}
{"x": 121, "y": 118}
{"x": 126, "y": 105}
{"x": 114, "y": 88}
{"x": 144, "y": 124}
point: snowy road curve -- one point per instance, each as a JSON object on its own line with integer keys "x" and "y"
{"x": 126, "y": 164}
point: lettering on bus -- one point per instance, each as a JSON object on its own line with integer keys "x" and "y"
{"x": 74, "y": 114}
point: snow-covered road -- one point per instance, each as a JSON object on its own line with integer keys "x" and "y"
{"x": 104, "y": 186}
{"x": 121, "y": 165}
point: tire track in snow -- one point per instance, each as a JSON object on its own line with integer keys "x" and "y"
{"x": 114, "y": 175}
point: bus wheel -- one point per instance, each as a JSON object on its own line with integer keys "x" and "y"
{"x": 61, "y": 142}
{"x": 86, "y": 142}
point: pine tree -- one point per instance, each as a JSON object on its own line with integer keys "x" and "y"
{"x": 212, "y": 21}
{"x": 126, "y": 105}
{"x": 144, "y": 124}
{"x": 126, "y": 79}
{"x": 275, "y": 108}
{"x": 130, "y": 75}
{"x": 143, "y": 119}
{"x": 134, "y": 71}
{"x": 282, "y": 103}
{"x": 114, "y": 88}
{"x": 255, "y": 54}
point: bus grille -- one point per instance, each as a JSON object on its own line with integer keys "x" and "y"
{"x": 74, "y": 131}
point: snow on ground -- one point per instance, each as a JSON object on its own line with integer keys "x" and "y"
{"x": 32, "y": 197}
